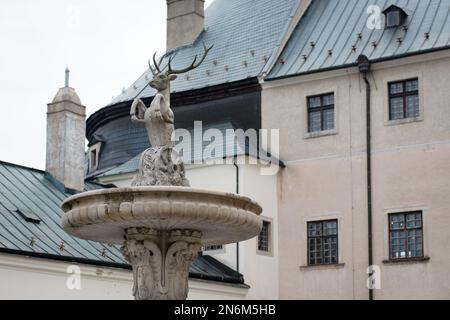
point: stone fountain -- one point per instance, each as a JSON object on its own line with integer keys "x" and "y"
{"x": 161, "y": 222}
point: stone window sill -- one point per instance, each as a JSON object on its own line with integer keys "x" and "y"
{"x": 407, "y": 261}
{"x": 403, "y": 121}
{"x": 323, "y": 267}
{"x": 321, "y": 134}
{"x": 265, "y": 253}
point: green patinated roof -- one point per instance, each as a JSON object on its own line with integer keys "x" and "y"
{"x": 30, "y": 224}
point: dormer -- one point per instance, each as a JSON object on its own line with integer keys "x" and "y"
{"x": 94, "y": 148}
{"x": 395, "y": 16}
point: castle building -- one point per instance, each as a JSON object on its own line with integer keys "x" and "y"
{"x": 357, "y": 92}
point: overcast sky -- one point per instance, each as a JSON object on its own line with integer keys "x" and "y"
{"x": 105, "y": 43}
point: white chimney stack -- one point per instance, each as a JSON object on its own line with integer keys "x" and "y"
{"x": 66, "y": 127}
{"x": 185, "y": 21}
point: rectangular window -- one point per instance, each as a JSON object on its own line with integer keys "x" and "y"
{"x": 321, "y": 116}
{"x": 404, "y": 99}
{"x": 406, "y": 235}
{"x": 264, "y": 237}
{"x": 212, "y": 248}
{"x": 93, "y": 159}
{"x": 323, "y": 242}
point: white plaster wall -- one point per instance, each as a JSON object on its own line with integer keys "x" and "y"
{"x": 25, "y": 278}
{"x": 325, "y": 179}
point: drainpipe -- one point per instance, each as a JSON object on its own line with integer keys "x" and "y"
{"x": 364, "y": 69}
{"x": 237, "y": 192}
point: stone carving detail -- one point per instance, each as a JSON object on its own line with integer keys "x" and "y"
{"x": 161, "y": 261}
{"x": 161, "y": 165}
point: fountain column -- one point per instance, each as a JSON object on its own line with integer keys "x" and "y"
{"x": 161, "y": 261}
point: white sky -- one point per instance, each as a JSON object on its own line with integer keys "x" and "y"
{"x": 105, "y": 43}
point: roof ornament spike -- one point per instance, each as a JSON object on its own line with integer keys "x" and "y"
{"x": 67, "y": 77}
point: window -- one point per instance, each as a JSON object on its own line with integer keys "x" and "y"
{"x": 321, "y": 113}
{"x": 93, "y": 158}
{"x": 392, "y": 19}
{"x": 212, "y": 248}
{"x": 323, "y": 242}
{"x": 264, "y": 238}
{"x": 404, "y": 99}
{"x": 406, "y": 235}
{"x": 395, "y": 16}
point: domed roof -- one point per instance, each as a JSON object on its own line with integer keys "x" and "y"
{"x": 67, "y": 94}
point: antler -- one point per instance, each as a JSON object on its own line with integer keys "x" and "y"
{"x": 194, "y": 64}
{"x": 157, "y": 64}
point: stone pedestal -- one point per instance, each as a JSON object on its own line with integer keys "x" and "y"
{"x": 161, "y": 261}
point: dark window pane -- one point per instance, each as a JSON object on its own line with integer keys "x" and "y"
{"x": 315, "y": 121}
{"x": 328, "y": 119}
{"x": 315, "y": 102}
{"x": 264, "y": 237}
{"x": 314, "y": 229}
{"x": 393, "y": 19}
{"x": 397, "y": 108}
{"x": 328, "y": 100}
{"x": 330, "y": 228}
{"x": 212, "y": 248}
{"x": 412, "y": 106}
{"x": 412, "y": 85}
{"x": 396, "y": 88}
{"x": 397, "y": 222}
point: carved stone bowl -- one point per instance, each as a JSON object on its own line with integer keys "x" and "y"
{"x": 106, "y": 215}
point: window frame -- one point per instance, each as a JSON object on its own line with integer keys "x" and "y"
{"x": 93, "y": 159}
{"x": 97, "y": 149}
{"x": 267, "y": 224}
{"x": 269, "y": 252}
{"x": 213, "y": 248}
{"x": 403, "y": 95}
{"x": 322, "y": 222}
{"x": 405, "y": 214}
{"x": 322, "y": 109}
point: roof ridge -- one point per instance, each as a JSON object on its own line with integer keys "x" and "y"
{"x": 294, "y": 19}
{"x": 21, "y": 166}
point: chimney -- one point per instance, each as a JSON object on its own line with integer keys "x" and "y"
{"x": 185, "y": 21}
{"x": 66, "y": 126}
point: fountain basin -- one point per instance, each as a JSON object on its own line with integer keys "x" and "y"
{"x": 106, "y": 215}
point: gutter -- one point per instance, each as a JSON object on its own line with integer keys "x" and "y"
{"x": 364, "y": 68}
{"x": 351, "y": 65}
{"x": 237, "y": 192}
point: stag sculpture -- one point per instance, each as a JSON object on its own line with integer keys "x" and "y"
{"x": 161, "y": 165}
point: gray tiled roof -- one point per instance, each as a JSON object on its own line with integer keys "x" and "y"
{"x": 335, "y": 25}
{"x": 242, "y": 31}
{"x": 28, "y": 196}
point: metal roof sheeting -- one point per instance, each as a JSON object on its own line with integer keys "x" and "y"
{"x": 29, "y": 190}
{"x": 244, "y": 34}
{"x": 333, "y": 33}
{"x": 29, "y": 195}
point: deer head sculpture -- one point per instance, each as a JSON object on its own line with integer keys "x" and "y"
{"x": 161, "y": 78}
